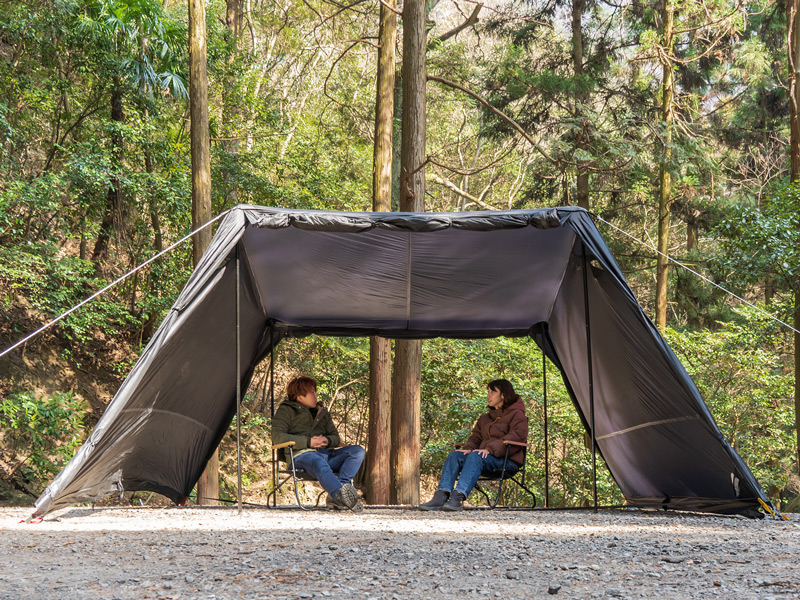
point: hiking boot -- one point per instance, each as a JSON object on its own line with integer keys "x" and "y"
{"x": 455, "y": 502}
{"x": 438, "y": 500}
{"x": 330, "y": 502}
{"x": 348, "y": 496}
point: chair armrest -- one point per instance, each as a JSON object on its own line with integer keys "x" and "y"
{"x": 283, "y": 445}
{"x": 509, "y": 442}
{"x": 458, "y": 446}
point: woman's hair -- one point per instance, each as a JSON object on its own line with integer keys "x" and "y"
{"x": 506, "y": 389}
{"x": 300, "y": 386}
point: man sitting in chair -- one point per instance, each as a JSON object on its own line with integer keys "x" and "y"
{"x": 300, "y": 419}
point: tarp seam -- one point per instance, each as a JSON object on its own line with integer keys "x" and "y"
{"x": 648, "y": 424}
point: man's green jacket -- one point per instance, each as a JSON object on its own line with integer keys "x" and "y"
{"x": 293, "y": 423}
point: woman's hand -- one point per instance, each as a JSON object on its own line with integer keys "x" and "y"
{"x": 483, "y": 452}
{"x": 463, "y": 450}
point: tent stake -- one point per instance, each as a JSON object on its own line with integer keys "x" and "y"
{"x": 238, "y": 390}
{"x": 546, "y": 443}
{"x": 591, "y": 376}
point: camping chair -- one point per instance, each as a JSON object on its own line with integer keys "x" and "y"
{"x": 289, "y": 472}
{"x": 501, "y": 476}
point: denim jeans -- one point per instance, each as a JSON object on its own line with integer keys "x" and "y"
{"x": 332, "y": 467}
{"x": 467, "y": 468}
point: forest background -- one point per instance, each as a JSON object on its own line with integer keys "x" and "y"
{"x": 670, "y": 121}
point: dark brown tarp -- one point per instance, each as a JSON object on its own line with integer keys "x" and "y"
{"x": 459, "y": 275}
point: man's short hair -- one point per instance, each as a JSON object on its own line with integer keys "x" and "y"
{"x": 300, "y": 386}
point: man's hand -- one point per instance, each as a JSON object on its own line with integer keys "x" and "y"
{"x": 319, "y": 441}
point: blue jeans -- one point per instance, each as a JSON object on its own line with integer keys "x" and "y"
{"x": 467, "y": 468}
{"x": 332, "y": 467}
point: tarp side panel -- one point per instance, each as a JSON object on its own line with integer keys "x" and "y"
{"x": 164, "y": 423}
{"x": 650, "y": 427}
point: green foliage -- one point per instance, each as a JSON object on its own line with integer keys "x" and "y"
{"x": 763, "y": 242}
{"x": 40, "y": 435}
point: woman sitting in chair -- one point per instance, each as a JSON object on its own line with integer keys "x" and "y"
{"x": 484, "y": 451}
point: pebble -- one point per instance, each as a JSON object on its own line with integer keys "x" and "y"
{"x": 394, "y": 554}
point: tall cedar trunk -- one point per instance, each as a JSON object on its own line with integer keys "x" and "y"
{"x": 149, "y": 326}
{"x": 793, "y": 25}
{"x": 208, "y": 484}
{"x": 377, "y": 476}
{"x": 114, "y": 215}
{"x": 664, "y": 173}
{"x": 582, "y": 181}
{"x": 405, "y": 424}
{"x": 230, "y": 96}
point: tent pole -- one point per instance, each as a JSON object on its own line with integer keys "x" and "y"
{"x": 238, "y": 388}
{"x": 272, "y": 410}
{"x": 591, "y": 376}
{"x": 546, "y": 443}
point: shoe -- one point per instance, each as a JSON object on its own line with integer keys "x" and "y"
{"x": 438, "y": 500}
{"x": 348, "y": 496}
{"x": 330, "y": 502}
{"x": 455, "y": 502}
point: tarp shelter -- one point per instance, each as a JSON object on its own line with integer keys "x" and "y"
{"x": 543, "y": 273}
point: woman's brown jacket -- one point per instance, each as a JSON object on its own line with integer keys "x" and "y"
{"x": 501, "y": 424}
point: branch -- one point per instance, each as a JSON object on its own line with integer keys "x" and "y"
{"x": 497, "y": 112}
{"x": 454, "y": 188}
{"x": 399, "y": 13}
{"x": 473, "y": 18}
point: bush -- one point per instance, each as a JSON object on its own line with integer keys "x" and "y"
{"x": 39, "y": 436}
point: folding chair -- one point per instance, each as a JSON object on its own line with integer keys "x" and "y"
{"x": 289, "y": 472}
{"x": 501, "y": 476}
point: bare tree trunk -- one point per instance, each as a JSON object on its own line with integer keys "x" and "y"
{"x": 405, "y": 423}
{"x": 377, "y": 474}
{"x": 114, "y": 215}
{"x": 664, "y": 173}
{"x": 582, "y": 181}
{"x": 230, "y": 96}
{"x": 793, "y": 26}
{"x": 208, "y": 484}
{"x": 407, "y": 363}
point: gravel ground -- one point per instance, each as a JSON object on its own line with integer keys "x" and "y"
{"x": 133, "y": 553}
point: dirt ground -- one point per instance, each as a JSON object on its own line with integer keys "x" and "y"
{"x": 393, "y": 554}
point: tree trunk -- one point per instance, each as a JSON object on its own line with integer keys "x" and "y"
{"x": 405, "y": 422}
{"x": 230, "y": 95}
{"x": 114, "y": 215}
{"x": 405, "y": 425}
{"x": 793, "y": 26}
{"x": 208, "y": 484}
{"x": 377, "y": 476}
{"x": 664, "y": 173}
{"x": 582, "y": 181}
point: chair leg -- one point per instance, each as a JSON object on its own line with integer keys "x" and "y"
{"x": 294, "y": 480}
{"x": 527, "y": 489}
{"x": 484, "y": 493}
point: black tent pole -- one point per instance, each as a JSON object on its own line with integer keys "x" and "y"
{"x": 272, "y": 410}
{"x": 546, "y": 443}
{"x": 238, "y": 389}
{"x": 591, "y": 376}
